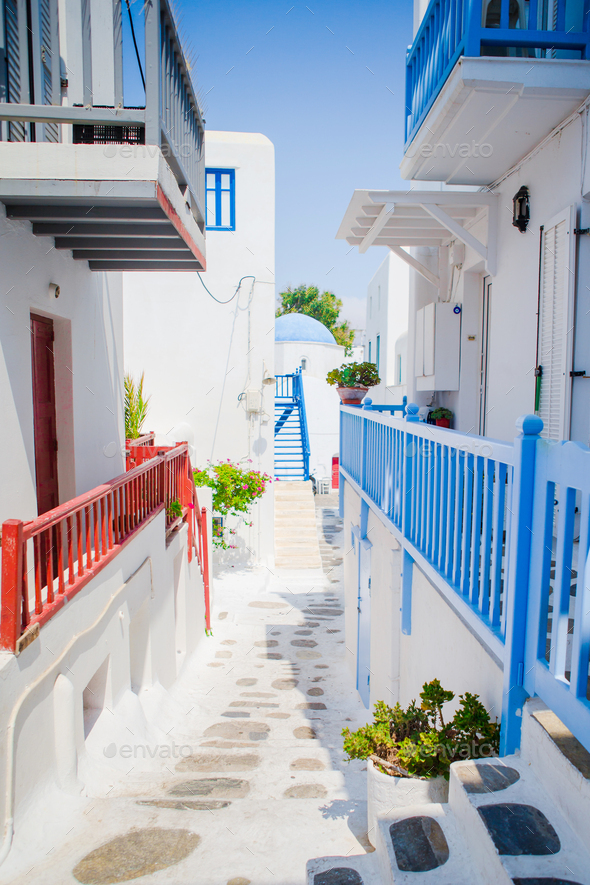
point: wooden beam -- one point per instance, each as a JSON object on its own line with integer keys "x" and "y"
{"x": 376, "y": 227}
{"x": 455, "y": 228}
{"x": 415, "y": 264}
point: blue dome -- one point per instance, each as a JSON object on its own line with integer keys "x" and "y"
{"x": 299, "y": 327}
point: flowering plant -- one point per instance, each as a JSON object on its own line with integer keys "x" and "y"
{"x": 235, "y": 488}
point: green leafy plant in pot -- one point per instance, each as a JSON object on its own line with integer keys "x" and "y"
{"x": 443, "y": 417}
{"x": 352, "y": 381}
{"x": 416, "y": 742}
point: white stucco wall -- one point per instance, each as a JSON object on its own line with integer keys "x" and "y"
{"x": 322, "y": 403}
{"x": 88, "y": 359}
{"x": 554, "y": 175}
{"x": 440, "y": 645}
{"x": 387, "y": 316}
{"x": 200, "y": 356}
{"x": 127, "y": 635}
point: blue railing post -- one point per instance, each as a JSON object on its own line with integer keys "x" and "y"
{"x": 411, "y": 416}
{"x": 517, "y": 591}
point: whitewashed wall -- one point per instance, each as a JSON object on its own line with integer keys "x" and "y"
{"x": 126, "y": 636}
{"x": 200, "y": 356}
{"x": 88, "y": 359}
{"x": 440, "y": 645}
{"x": 387, "y": 316}
{"x": 554, "y": 175}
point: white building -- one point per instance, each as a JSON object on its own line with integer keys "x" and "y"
{"x": 104, "y": 587}
{"x": 206, "y": 341}
{"x": 387, "y": 329}
{"x": 302, "y": 342}
{"x": 495, "y": 231}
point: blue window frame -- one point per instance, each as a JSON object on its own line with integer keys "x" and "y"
{"x": 220, "y": 199}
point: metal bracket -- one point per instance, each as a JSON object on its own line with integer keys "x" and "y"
{"x": 582, "y": 230}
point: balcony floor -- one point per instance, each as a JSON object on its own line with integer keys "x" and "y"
{"x": 116, "y": 206}
{"x": 507, "y": 105}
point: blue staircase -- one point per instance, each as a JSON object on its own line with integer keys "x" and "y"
{"x": 291, "y": 436}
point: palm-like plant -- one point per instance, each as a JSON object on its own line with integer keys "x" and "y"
{"x": 136, "y": 406}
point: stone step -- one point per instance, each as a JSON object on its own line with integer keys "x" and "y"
{"x": 423, "y": 844}
{"x": 356, "y": 869}
{"x": 297, "y": 562}
{"x": 512, "y": 825}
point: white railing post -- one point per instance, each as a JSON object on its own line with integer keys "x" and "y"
{"x": 153, "y": 95}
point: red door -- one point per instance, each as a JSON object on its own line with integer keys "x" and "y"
{"x": 44, "y": 413}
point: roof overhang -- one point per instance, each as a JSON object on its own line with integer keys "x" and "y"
{"x": 490, "y": 113}
{"x": 116, "y": 206}
{"x": 399, "y": 219}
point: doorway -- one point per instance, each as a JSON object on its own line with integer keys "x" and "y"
{"x": 363, "y": 671}
{"x": 485, "y": 341}
{"x": 44, "y": 418}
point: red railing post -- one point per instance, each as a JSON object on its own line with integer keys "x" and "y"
{"x": 12, "y": 570}
{"x": 205, "y": 567}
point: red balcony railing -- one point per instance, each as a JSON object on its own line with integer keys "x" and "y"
{"x": 47, "y": 561}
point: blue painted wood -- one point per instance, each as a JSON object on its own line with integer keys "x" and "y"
{"x": 453, "y": 28}
{"x": 581, "y": 638}
{"x": 517, "y": 592}
{"x": 474, "y": 565}
{"x": 407, "y": 576}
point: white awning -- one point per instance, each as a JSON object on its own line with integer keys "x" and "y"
{"x": 399, "y": 219}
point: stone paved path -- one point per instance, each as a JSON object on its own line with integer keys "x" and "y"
{"x": 258, "y": 784}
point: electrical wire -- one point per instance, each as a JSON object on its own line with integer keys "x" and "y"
{"x": 247, "y": 277}
{"x": 135, "y": 44}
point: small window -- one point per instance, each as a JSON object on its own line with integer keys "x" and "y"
{"x": 303, "y": 364}
{"x": 370, "y": 360}
{"x": 220, "y": 199}
{"x": 399, "y": 369}
{"x": 378, "y": 297}
{"x": 378, "y": 351}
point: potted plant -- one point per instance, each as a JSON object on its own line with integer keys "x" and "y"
{"x": 442, "y": 417}
{"x": 409, "y": 752}
{"x": 352, "y": 381}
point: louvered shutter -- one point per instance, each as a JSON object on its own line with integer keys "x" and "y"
{"x": 16, "y": 131}
{"x": 556, "y": 332}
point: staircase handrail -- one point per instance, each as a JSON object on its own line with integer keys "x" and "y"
{"x": 298, "y": 394}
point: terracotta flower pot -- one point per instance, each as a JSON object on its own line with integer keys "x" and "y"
{"x": 352, "y": 396}
{"x": 443, "y": 422}
{"x": 385, "y": 792}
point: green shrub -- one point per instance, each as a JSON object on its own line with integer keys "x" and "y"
{"x": 417, "y": 742}
{"x": 235, "y": 489}
{"x": 354, "y": 375}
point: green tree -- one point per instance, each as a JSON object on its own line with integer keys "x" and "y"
{"x": 325, "y": 308}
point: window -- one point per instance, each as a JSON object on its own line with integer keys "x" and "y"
{"x": 378, "y": 351}
{"x": 378, "y": 297}
{"x": 303, "y": 363}
{"x": 220, "y": 199}
{"x": 399, "y": 369}
{"x": 370, "y": 360}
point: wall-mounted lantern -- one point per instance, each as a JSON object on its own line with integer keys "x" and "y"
{"x": 521, "y": 209}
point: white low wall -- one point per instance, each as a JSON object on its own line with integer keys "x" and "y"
{"x": 440, "y": 645}
{"x": 98, "y": 676}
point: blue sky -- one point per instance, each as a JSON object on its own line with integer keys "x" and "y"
{"x": 325, "y": 82}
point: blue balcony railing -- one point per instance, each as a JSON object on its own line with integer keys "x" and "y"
{"x": 503, "y": 531}
{"x": 507, "y": 28}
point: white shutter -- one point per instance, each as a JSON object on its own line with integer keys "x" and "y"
{"x": 556, "y": 333}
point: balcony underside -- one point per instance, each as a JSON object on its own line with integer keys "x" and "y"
{"x": 490, "y": 113}
{"x": 118, "y": 213}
